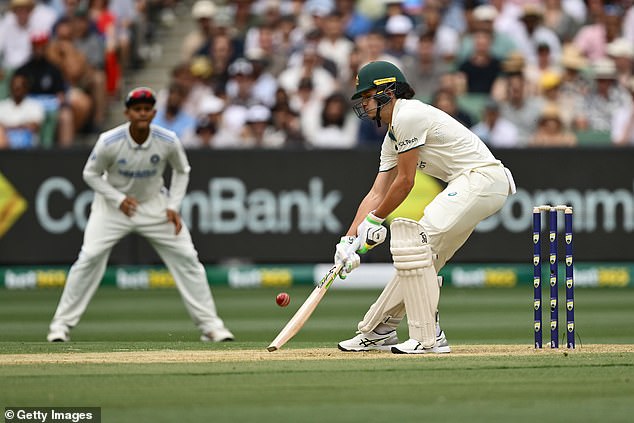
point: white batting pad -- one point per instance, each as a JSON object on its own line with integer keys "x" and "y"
{"x": 418, "y": 279}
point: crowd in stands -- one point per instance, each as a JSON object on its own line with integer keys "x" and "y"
{"x": 279, "y": 73}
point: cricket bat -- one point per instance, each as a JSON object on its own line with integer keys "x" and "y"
{"x": 303, "y": 313}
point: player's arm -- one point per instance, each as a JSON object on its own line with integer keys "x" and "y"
{"x": 401, "y": 185}
{"x": 98, "y": 162}
{"x": 373, "y": 198}
{"x": 180, "y": 176}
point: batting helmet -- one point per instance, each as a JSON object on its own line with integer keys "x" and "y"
{"x": 376, "y": 74}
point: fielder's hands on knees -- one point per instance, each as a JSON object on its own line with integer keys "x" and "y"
{"x": 346, "y": 255}
{"x": 128, "y": 206}
{"x": 371, "y": 233}
{"x": 175, "y": 218}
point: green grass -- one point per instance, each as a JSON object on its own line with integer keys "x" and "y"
{"x": 579, "y": 387}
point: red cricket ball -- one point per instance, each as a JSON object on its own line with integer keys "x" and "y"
{"x": 283, "y": 299}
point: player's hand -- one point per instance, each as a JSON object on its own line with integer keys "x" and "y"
{"x": 371, "y": 233}
{"x": 346, "y": 255}
{"x": 175, "y": 218}
{"x": 128, "y": 206}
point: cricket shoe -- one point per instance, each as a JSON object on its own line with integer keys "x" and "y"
{"x": 370, "y": 341}
{"x": 217, "y": 335}
{"x": 58, "y": 335}
{"x": 412, "y": 346}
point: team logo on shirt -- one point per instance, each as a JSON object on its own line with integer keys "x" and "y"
{"x": 155, "y": 159}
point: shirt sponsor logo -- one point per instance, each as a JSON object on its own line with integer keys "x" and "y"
{"x": 404, "y": 144}
{"x": 144, "y": 173}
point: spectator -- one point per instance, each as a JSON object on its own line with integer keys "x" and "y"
{"x": 335, "y": 46}
{"x": 63, "y": 53}
{"x": 173, "y": 117}
{"x": 592, "y": 39}
{"x": 15, "y": 40}
{"x": 324, "y": 83}
{"x": 446, "y": 38}
{"x": 89, "y": 42}
{"x": 494, "y": 130}
{"x": 259, "y": 132}
{"x": 333, "y": 126}
{"x": 551, "y": 131}
{"x": 623, "y": 121}
{"x": 559, "y": 20}
{"x": 202, "y": 12}
{"x": 535, "y": 71}
{"x": 574, "y": 85}
{"x": 569, "y": 114}
{"x": 20, "y": 117}
{"x": 372, "y": 48}
{"x": 356, "y": 24}
{"x": 392, "y": 8}
{"x": 445, "y": 100}
{"x": 483, "y": 18}
{"x": 398, "y": 29}
{"x": 606, "y": 97}
{"x": 537, "y": 33}
{"x": 622, "y": 52}
{"x": 127, "y": 32}
{"x": 241, "y": 84}
{"x": 427, "y": 72}
{"x": 106, "y": 23}
{"x": 205, "y": 134}
{"x": 286, "y": 120}
{"x": 47, "y": 86}
{"x": 521, "y": 109}
{"x": 481, "y": 69}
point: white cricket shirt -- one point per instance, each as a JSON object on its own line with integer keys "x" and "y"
{"x": 119, "y": 167}
{"x": 446, "y": 148}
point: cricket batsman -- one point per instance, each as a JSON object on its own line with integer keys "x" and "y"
{"x": 125, "y": 169}
{"x": 419, "y": 137}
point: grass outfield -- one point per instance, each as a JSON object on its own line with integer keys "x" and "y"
{"x": 136, "y": 355}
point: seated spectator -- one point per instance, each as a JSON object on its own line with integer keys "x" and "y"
{"x": 574, "y": 85}
{"x": 205, "y": 134}
{"x": 335, "y": 46}
{"x": 286, "y": 120}
{"x": 106, "y": 23}
{"x": 259, "y": 132}
{"x": 522, "y": 110}
{"x": 173, "y": 117}
{"x": 202, "y": 12}
{"x": 483, "y": 17}
{"x": 605, "y": 99}
{"x": 445, "y": 38}
{"x": 15, "y": 40}
{"x": 324, "y": 83}
{"x": 622, "y": 52}
{"x": 623, "y": 122}
{"x": 592, "y": 39}
{"x": 428, "y": 73}
{"x": 445, "y": 100}
{"x": 534, "y": 71}
{"x": 333, "y": 126}
{"x": 481, "y": 69}
{"x": 551, "y": 131}
{"x": 536, "y": 33}
{"x": 20, "y": 117}
{"x": 77, "y": 72}
{"x": 494, "y": 130}
{"x": 47, "y": 85}
{"x": 558, "y": 18}
{"x": 91, "y": 44}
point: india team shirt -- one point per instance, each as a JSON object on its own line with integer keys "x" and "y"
{"x": 446, "y": 148}
{"x": 119, "y": 167}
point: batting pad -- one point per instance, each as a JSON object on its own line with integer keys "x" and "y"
{"x": 418, "y": 279}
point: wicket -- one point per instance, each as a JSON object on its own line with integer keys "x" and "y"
{"x": 554, "y": 277}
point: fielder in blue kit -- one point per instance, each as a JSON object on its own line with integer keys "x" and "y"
{"x": 125, "y": 169}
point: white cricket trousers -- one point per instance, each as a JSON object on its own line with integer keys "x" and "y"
{"x": 448, "y": 220}
{"x": 106, "y": 226}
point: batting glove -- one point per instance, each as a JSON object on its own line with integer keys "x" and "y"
{"x": 346, "y": 255}
{"x": 371, "y": 233}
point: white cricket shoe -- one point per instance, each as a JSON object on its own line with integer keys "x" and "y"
{"x": 217, "y": 335}
{"x": 58, "y": 335}
{"x": 412, "y": 346}
{"x": 370, "y": 341}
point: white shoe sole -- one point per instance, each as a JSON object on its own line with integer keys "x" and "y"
{"x": 434, "y": 350}
{"x": 385, "y": 348}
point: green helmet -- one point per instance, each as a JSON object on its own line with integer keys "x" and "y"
{"x": 375, "y": 74}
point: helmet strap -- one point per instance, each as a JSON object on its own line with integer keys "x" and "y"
{"x": 377, "y": 115}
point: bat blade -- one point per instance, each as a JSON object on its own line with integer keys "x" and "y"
{"x": 304, "y": 312}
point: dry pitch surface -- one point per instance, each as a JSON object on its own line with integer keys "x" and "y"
{"x": 175, "y": 356}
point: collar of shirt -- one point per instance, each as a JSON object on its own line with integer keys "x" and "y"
{"x": 136, "y": 146}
